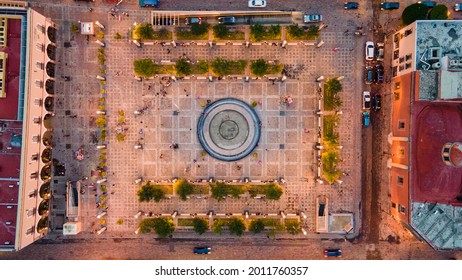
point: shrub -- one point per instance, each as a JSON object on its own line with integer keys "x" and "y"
{"x": 414, "y": 12}
{"x": 100, "y": 35}
{"x": 143, "y": 31}
{"x": 256, "y": 226}
{"x": 117, "y": 36}
{"x": 183, "y": 188}
{"x": 218, "y": 226}
{"x": 273, "y": 191}
{"x": 144, "y": 67}
{"x": 74, "y": 28}
{"x": 162, "y": 226}
{"x": 200, "y": 225}
{"x": 101, "y": 121}
{"x": 120, "y": 137}
{"x": 163, "y": 34}
{"x": 220, "y": 31}
{"x": 293, "y": 226}
{"x": 183, "y": 67}
{"x": 332, "y": 100}
{"x": 203, "y": 66}
{"x": 199, "y": 29}
{"x": 254, "y": 103}
{"x": 439, "y": 12}
{"x": 259, "y": 67}
{"x": 120, "y": 221}
{"x": 222, "y": 67}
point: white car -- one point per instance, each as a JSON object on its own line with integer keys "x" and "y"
{"x": 257, "y": 3}
{"x": 312, "y": 18}
{"x": 366, "y": 100}
{"x": 370, "y": 50}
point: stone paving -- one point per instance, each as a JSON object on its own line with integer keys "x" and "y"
{"x": 285, "y": 150}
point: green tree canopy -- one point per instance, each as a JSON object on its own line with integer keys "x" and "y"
{"x": 199, "y": 29}
{"x": 259, "y": 67}
{"x": 144, "y": 67}
{"x": 162, "y": 226}
{"x": 183, "y": 188}
{"x": 293, "y": 226}
{"x": 274, "y": 30}
{"x": 143, "y": 31}
{"x": 256, "y": 226}
{"x": 200, "y": 225}
{"x": 183, "y": 67}
{"x": 414, "y": 12}
{"x": 439, "y": 12}
{"x": 218, "y": 226}
{"x": 220, "y": 31}
{"x": 273, "y": 191}
{"x": 219, "y": 191}
{"x": 236, "y": 226}
{"x": 257, "y": 31}
{"x": 148, "y": 192}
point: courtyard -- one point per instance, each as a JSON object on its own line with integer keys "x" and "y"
{"x": 289, "y": 133}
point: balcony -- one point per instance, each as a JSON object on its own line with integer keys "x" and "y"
{"x": 50, "y": 69}
{"x": 48, "y": 121}
{"x": 44, "y": 207}
{"x": 45, "y": 190}
{"x": 51, "y": 52}
{"x": 48, "y": 139}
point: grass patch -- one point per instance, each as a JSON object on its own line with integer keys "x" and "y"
{"x": 222, "y": 67}
{"x": 259, "y": 32}
{"x": 165, "y": 189}
{"x": 164, "y": 69}
{"x": 329, "y": 126}
{"x": 185, "y": 33}
{"x": 185, "y": 222}
{"x": 200, "y": 189}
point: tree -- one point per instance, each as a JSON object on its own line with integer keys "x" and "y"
{"x": 236, "y": 226}
{"x": 101, "y": 121}
{"x": 203, "y": 68}
{"x": 143, "y": 31}
{"x": 219, "y": 191}
{"x": 200, "y": 225}
{"x": 333, "y": 86}
{"x": 293, "y": 226}
{"x": 256, "y": 226}
{"x": 414, "y": 12}
{"x": 294, "y": 31}
{"x": 257, "y": 31}
{"x": 183, "y": 67}
{"x": 144, "y": 67}
{"x": 274, "y": 30}
{"x": 220, "y": 31}
{"x": 218, "y": 226}
{"x": 259, "y": 67}
{"x": 313, "y": 31}
{"x": 100, "y": 35}
{"x": 439, "y": 12}
{"x": 162, "y": 226}
{"x": 163, "y": 33}
{"x": 273, "y": 191}
{"x": 183, "y": 188}
{"x": 117, "y": 36}
{"x": 199, "y": 29}
{"x": 75, "y": 28}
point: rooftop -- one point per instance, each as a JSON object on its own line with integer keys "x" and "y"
{"x": 438, "y": 44}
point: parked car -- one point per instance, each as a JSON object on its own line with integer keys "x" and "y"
{"x": 332, "y": 253}
{"x": 149, "y": 3}
{"x": 379, "y": 73}
{"x": 351, "y": 5}
{"x": 369, "y": 75}
{"x": 429, "y": 4}
{"x": 192, "y": 20}
{"x": 366, "y": 119}
{"x": 376, "y": 102}
{"x": 458, "y": 7}
{"x": 257, "y": 3}
{"x": 370, "y": 50}
{"x": 312, "y": 18}
{"x": 227, "y": 20}
{"x": 366, "y": 100}
{"x": 389, "y": 5}
{"x": 202, "y": 250}
{"x": 380, "y": 51}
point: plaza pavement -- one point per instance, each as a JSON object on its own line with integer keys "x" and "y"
{"x": 161, "y": 127}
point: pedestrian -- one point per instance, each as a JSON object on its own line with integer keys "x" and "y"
{"x": 184, "y": 90}
{"x": 168, "y": 50}
{"x": 161, "y": 156}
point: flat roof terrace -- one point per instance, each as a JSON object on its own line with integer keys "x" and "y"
{"x": 9, "y": 104}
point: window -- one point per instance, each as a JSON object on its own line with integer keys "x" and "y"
{"x": 400, "y": 180}
{"x": 30, "y": 230}
{"x": 407, "y": 32}
{"x": 408, "y": 56}
{"x": 397, "y": 85}
{"x": 32, "y": 194}
{"x": 401, "y": 125}
{"x": 396, "y": 94}
{"x": 445, "y": 158}
{"x": 408, "y": 65}
{"x": 393, "y": 205}
{"x": 401, "y": 68}
{"x": 401, "y": 209}
{"x": 401, "y": 59}
{"x": 30, "y": 212}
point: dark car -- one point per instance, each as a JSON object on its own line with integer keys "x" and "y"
{"x": 369, "y": 75}
{"x": 332, "y": 253}
{"x": 149, "y": 3}
{"x": 376, "y": 102}
{"x": 429, "y": 4}
{"x": 351, "y": 5}
{"x": 389, "y": 5}
{"x": 192, "y": 20}
{"x": 379, "y": 73}
{"x": 226, "y": 20}
{"x": 202, "y": 250}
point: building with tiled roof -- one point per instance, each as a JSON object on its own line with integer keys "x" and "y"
{"x": 27, "y": 54}
{"x": 425, "y": 173}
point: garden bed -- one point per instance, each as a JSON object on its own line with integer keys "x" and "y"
{"x": 168, "y": 190}
{"x": 329, "y": 126}
{"x": 182, "y": 33}
{"x": 185, "y": 222}
{"x": 201, "y": 189}
{"x": 294, "y": 32}
{"x": 259, "y": 32}
{"x": 222, "y": 67}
